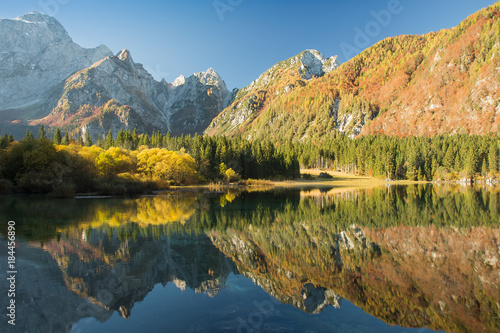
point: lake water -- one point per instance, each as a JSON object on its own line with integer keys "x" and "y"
{"x": 391, "y": 259}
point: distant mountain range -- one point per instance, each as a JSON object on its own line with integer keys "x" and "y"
{"x": 441, "y": 82}
{"x": 47, "y": 79}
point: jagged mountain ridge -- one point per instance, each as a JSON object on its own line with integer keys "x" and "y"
{"x": 279, "y": 80}
{"x": 441, "y": 82}
{"x": 49, "y": 80}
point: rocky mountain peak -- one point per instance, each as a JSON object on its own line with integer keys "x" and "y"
{"x": 210, "y": 77}
{"x": 313, "y": 63}
{"x": 281, "y": 79}
{"x": 35, "y": 17}
{"x": 36, "y": 53}
{"x": 179, "y": 81}
{"x": 40, "y": 23}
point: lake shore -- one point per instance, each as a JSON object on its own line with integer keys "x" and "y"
{"x": 340, "y": 179}
{"x": 337, "y": 180}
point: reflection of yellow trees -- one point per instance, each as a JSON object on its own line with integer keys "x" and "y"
{"x": 227, "y": 198}
{"x": 153, "y": 211}
{"x": 158, "y": 211}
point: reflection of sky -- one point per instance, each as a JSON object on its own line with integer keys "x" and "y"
{"x": 241, "y": 304}
{"x": 182, "y": 37}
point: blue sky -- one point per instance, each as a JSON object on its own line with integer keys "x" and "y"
{"x": 240, "y": 39}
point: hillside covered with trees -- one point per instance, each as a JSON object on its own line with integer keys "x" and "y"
{"x": 444, "y": 82}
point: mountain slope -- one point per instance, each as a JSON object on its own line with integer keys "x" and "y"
{"x": 442, "y": 82}
{"x": 36, "y": 53}
{"x": 116, "y": 93}
{"x": 280, "y": 80}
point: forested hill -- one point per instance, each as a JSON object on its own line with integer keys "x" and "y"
{"x": 441, "y": 82}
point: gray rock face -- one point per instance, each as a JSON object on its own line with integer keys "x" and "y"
{"x": 37, "y": 53}
{"x": 314, "y": 64}
{"x": 43, "y": 301}
{"x": 186, "y": 106}
{"x": 48, "y": 79}
{"x": 193, "y": 102}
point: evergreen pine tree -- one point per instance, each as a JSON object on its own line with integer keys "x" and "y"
{"x": 109, "y": 142}
{"x": 129, "y": 142}
{"x": 41, "y": 133}
{"x": 135, "y": 139}
{"x": 57, "y": 137}
{"x": 88, "y": 139}
{"x": 65, "y": 141}
{"x": 4, "y": 142}
{"x": 120, "y": 139}
{"x": 29, "y": 134}
{"x": 449, "y": 158}
{"x": 99, "y": 141}
{"x": 493, "y": 156}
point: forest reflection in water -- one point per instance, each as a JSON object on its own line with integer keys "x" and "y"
{"x": 413, "y": 256}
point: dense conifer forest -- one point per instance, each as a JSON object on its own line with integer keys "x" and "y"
{"x": 134, "y": 163}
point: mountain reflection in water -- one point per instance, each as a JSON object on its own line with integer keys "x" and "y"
{"x": 412, "y": 256}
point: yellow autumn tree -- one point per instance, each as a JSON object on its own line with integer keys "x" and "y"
{"x": 114, "y": 161}
{"x": 162, "y": 164}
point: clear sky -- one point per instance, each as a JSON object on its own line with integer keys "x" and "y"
{"x": 240, "y": 39}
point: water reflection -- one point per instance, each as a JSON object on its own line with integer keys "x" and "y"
{"x": 413, "y": 256}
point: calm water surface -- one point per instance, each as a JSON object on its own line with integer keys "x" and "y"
{"x": 397, "y": 259}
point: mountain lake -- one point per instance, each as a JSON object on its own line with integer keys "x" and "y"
{"x": 401, "y": 258}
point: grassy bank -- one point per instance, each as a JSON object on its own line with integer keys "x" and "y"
{"x": 311, "y": 178}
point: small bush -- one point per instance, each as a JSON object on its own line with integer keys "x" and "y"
{"x": 325, "y": 175}
{"x": 231, "y": 175}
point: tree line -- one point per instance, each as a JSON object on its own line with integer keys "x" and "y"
{"x": 250, "y": 160}
{"x": 441, "y": 157}
{"x": 132, "y": 163}
{"x": 128, "y": 162}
